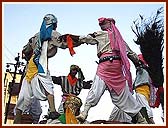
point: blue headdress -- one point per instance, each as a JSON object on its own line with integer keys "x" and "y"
{"x": 45, "y": 35}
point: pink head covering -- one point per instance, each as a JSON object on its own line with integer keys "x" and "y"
{"x": 120, "y": 45}
{"x": 104, "y": 25}
{"x": 102, "y": 19}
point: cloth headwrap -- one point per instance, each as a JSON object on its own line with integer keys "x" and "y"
{"x": 72, "y": 67}
{"x": 119, "y": 44}
{"x": 80, "y": 73}
{"x": 45, "y": 35}
{"x": 102, "y": 19}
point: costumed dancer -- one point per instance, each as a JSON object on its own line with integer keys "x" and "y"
{"x": 71, "y": 106}
{"x": 38, "y": 82}
{"x": 112, "y": 53}
{"x": 70, "y": 84}
{"x": 143, "y": 87}
{"x": 150, "y": 38}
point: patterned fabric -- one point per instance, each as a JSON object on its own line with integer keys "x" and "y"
{"x": 74, "y": 101}
{"x": 153, "y": 96}
{"x": 68, "y": 89}
{"x": 72, "y": 105}
{"x": 70, "y": 117}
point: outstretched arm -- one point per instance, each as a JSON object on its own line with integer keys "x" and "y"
{"x": 75, "y": 40}
{"x": 87, "y": 84}
{"x": 89, "y": 39}
{"x": 132, "y": 55}
{"x": 57, "y": 80}
{"x": 81, "y": 39}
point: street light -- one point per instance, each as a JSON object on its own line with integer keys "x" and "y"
{"x": 17, "y": 70}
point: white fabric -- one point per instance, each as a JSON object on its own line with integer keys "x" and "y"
{"x": 124, "y": 101}
{"x": 43, "y": 58}
{"x": 25, "y": 96}
{"x": 119, "y": 115}
{"x": 101, "y": 39}
{"x": 143, "y": 101}
{"x": 36, "y": 89}
{"x": 61, "y": 108}
{"x": 56, "y": 121}
{"x": 40, "y": 84}
{"x": 96, "y": 91}
{"x": 142, "y": 77}
{"x": 35, "y": 109}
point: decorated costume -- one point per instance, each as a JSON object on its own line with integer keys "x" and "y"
{"x": 71, "y": 85}
{"x": 71, "y": 107}
{"x": 144, "y": 88}
{"x": 38, "y": 82}
{"x": 113, "y": 70}
{"x": 150, "y": 38}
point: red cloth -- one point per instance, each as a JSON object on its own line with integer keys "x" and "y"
{"x": 70, "y": 45}
{"x": 140, "y": 56}
{"x": 159, "y": 91}
{"x": 72, "y": 81}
